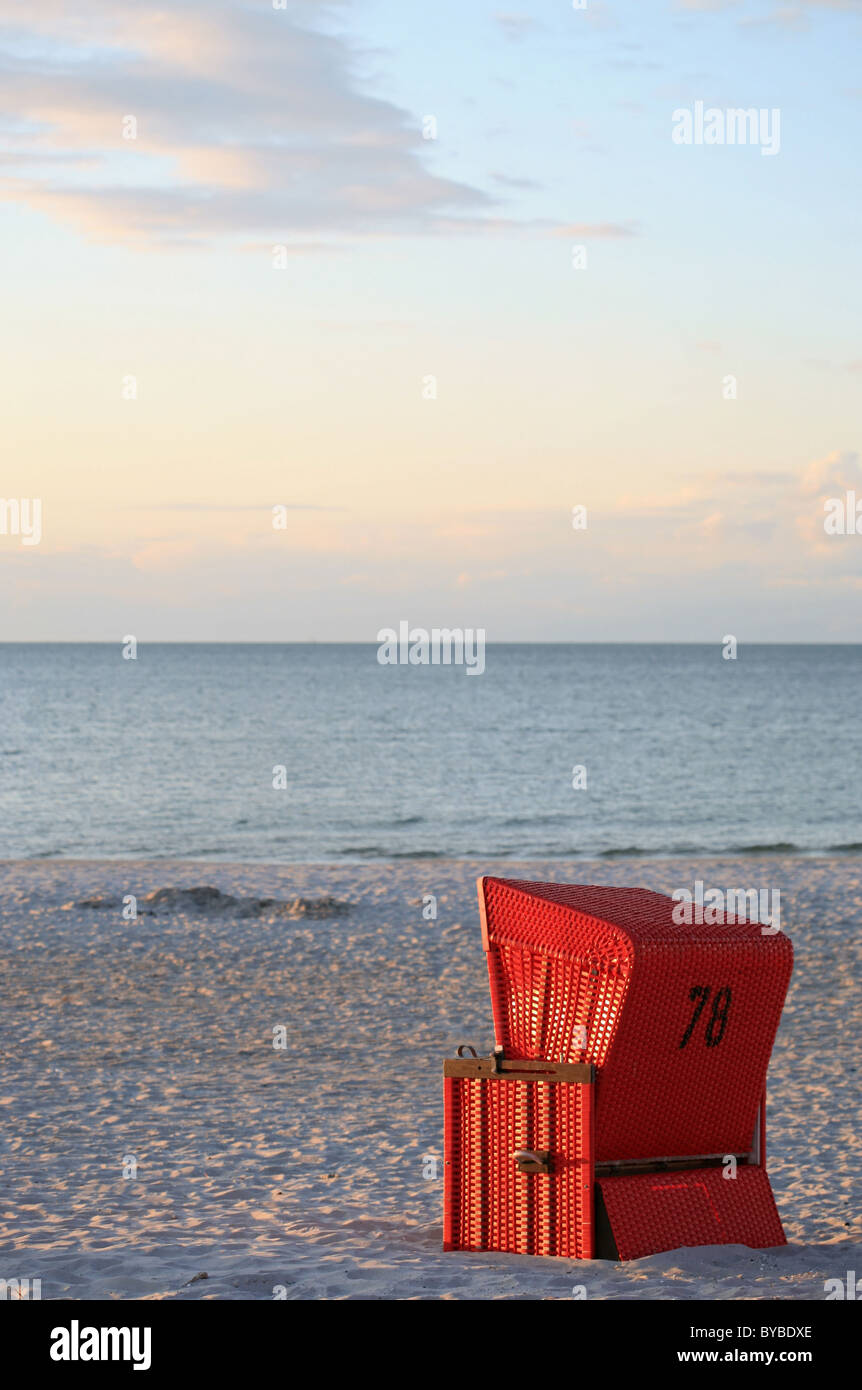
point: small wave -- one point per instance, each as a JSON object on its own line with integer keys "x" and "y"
{"x": 505, "y": 852}
{"x": 378, "y": 852}
{"x": 630, "y": 851}
{"x": 419, "y": 854}
{"x": 778, "y": 847}
{"x": 550, "y": 819}
{"x": 853, "y": 847}
{"x": 387, "y": 823}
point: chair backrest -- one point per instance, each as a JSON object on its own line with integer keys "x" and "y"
{"x": 679, "y": 1019}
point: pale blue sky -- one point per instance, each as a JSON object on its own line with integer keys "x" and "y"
{"x": 407, "y": 258}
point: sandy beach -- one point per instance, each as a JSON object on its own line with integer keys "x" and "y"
{"x": 306, "y": 1170}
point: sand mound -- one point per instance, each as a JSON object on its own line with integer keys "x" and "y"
{"x": 205, "y": 899}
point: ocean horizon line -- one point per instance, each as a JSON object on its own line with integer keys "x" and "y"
{"x": 373, "y": 642}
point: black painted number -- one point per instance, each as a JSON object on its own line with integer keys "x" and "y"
{"x": 700, "y": 992}
{"x": 717, "y": 1021}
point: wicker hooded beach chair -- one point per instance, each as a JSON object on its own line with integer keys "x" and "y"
{"x": 623, "y": 1111}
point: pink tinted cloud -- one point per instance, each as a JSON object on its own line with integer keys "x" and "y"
{"x": 248, "y": 121}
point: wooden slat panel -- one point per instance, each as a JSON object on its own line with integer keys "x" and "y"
{"x": 512, "y": 1069}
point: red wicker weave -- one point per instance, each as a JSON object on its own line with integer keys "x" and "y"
{"x": 488, "y": 1203}
{"x": 680, "y": 1020}
{"x": 662, "y": 1211}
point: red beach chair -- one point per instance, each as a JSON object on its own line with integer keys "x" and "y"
{"x": 623, "y": 1112}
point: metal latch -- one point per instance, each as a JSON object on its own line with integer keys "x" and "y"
{"x": 533, "y": 1160}
{"x": 496, "y": 1056}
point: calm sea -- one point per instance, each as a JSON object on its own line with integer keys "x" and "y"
{"x": 173, "y": 754}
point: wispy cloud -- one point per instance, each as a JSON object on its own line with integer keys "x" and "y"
{"x": 236, "y": 507}
{"x": 516, "y": 25}
{"x": 596, "y": 230}
{"x": 507, "y": 181}
{"x": 796, "y": 14}
{"x": 246, "y": 119}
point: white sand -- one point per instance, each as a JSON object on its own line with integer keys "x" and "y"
{"x": 304, "y": 1168}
